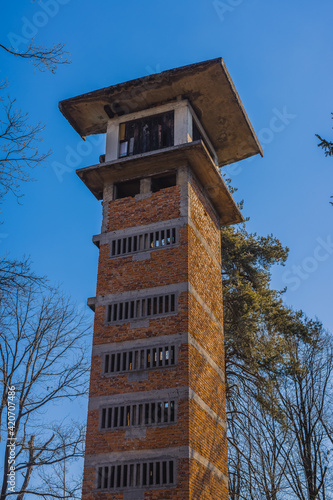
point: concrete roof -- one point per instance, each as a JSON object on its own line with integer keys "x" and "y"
{"x": 208, "y": 87}
{"x": 195, "y": 153}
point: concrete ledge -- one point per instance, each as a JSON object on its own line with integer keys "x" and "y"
{"x": 138, "y": 257}
{"x": 103, "y": 300}
{"x": 207, "y": 357}
{"x": 203, "y": 304}
{"x": 137, "y": 376}
{"x": 140, "y": 323}
{"x": 135, "y": 433}
{"x": 96, "y": 403}
{"x": 91, "y": 302}
{"x": 177, "y": 338}
{"x": 134, "y": 495}
{"x": 105, "y": 238}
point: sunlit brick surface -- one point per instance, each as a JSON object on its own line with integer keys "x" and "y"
{"x": 197, "y": 437}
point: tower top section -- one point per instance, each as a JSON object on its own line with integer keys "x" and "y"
{"x": 206, "y": 86}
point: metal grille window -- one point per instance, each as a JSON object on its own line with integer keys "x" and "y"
{"x": 139, "y": 359}
{"x": 146, "y": 134}
{"x": 150, "y": 240}
{"x": 128, "y": 310}
{"x": 138, "y": 415}
{"x": 136, "y": 475}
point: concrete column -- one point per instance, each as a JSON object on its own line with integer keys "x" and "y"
{"x": 145, "y": 185}
{"x": 183, "y": 178}
{"x": 112, "y": 141}
{"x": 107, "y": 197}
{"x": 183, "y": 175}
{"x": 183, "y": 124}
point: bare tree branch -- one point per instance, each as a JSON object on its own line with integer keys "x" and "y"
{"x": 19, "y": 148}
{"x": 42, "y": 348}
{"x": 43, "y": 58}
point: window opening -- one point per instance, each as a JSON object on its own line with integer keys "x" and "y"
{"x": 163, "y": 181}
{"x": 146, "y": 134}
{"x": 126, "y": 189}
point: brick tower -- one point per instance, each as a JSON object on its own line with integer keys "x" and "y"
{"x": 157, "y": 416}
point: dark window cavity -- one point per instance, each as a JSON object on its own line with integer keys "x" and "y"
{"x": 146, "y": 134}
{"x": 196, "y": 132}
{"x": 163, "y": 181}
{"x": 126, "y": 189}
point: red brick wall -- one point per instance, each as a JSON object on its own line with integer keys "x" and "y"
{"x": 127, "y": 212}
{"x": 157, "y": 326}
{"x": 123, "y": 274}
{"x": 190, "y": 261}
{"x": 161, "y": 378}
{"x": 195, "y": 482}
{"x": 156, "y": 437}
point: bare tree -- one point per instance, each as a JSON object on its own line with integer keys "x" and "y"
{"x": 19, "y": 140}
{"x": 257, "y": 450}
{"x": 19, "y": 147}
{"x": 305, "y": 396}
{"x": 43, "y": 362}
{"x": 16, "y": 273}
{"x": 58, "y": 481}
{"x": 282, "y": 449}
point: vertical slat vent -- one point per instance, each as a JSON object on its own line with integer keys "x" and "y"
{"x": 131, "y": 475}
{"x": 148, "y": 240}
{"x": 147, "y": 307}
{"x": 139, "y": 359}
{"x": 138, "y": 415}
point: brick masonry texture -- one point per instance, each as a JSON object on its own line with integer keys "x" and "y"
{"x": 156, "y": 437}
{"x": 206, "y": 331}
{"x": 124, "y": 274}
{"x": 166, "y": 378}
{"x": 202, "y": 270}
{"x": 204, "y": 218}
{"x": 194, "y": 260}
{"x": 127, "y": 212}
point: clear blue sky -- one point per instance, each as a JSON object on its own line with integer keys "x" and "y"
{"x": 279, "y": 55}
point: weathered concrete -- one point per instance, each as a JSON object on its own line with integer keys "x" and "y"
{"x": 138, "y": 166}
{"x": 208, "y": 87}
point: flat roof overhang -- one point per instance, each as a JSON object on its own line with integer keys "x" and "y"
{"x": 208, "y": 87}
{"x": 193, "y": 153}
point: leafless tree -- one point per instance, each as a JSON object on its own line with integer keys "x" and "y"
{"x": 59, "y": 481}
{"x": 43, "y": 362}
{"x": 257, "y": 447}
{"x": 20, "y": 151}
{"x": 305, "y": 396}
{"x": 15, "y": 273}
{"x": 19, "y": 147}
{"x": 283, "y": 449}
{"x": 19, "y": 140}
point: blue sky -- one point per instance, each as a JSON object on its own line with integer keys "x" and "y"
{"x": 279, "y": 57}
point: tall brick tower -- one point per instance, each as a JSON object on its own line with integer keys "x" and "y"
{"x": 157, "y": 416}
